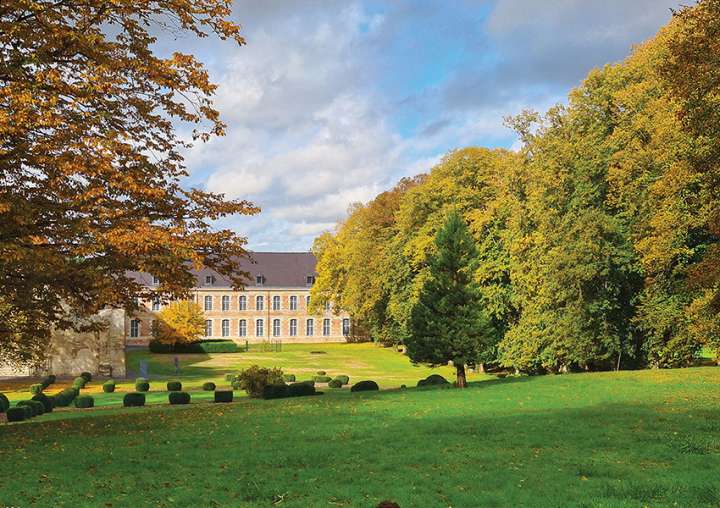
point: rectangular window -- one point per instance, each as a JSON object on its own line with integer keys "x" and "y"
{"x": 209, "y": 280}
{"x": 307, "y": 301}
{"x": 327, "y": 306}
{"x": 276, "y": 303}
{"x": 259, "y": 280}
{"x": 225, "y": 303}
{"x": 293, "y": 327}
{"x": 293, "y": 303}
{"x": 156, "y": 280}
{"x": 135, "y": 328}
{"x": 310, "y": 280}
{"x": 208, "y": 328}
{"x": 242, "y": 328}
{"x": 259, "y": 328}
{"x": 326, "y": 327}
{"x": 259, "y": 303}
{"x": 309, "y": 328}
{"x": 156, "y": 304}
{"x": 242, "y": 303}
{"x": 276, "y": 328}
{"x": 208, "y": 302}
{"x": 346, "y": 326}
{"x": 225, "y": 327}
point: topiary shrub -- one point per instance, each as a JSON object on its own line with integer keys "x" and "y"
{"x": 209, "y": 386}
{"x": 86, "y": 376}
{"x": 276, "y": 391}
{"x": 335, "y": 383}
{"x": 289, "y": 378}
{"x": 255, "y": 378}
{"x": 65, "y": 397}
{"x": 84, "y": 402}
{"x": 36, "y": 388}
{"x": 322, "y": 379}
{"x": 365, "y": 386}
{"x": 79, "y": 383}
{"x": 36, "y": 407}
{"x": 109, "y": 386}
{"x": 343, "y": 379}
{"x": 321, "y": 373}
{"x": 301, "y": 389}
{"x": 174, "y": 386}
{"x": 134, "y": 399}
{"x": 223, "y": 396}
{"x": 48, "y": 380}
{"x": 4, "y": 403}
{"x": 178, "y": 397}
{"x": 47, "y": 402}
{"x": 142, "y": 386}
{"x": 16, "y": 414}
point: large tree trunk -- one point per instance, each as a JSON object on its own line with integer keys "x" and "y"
{"x": 461, "y": 381}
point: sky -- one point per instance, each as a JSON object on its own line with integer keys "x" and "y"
{"x": 332, "y": 102}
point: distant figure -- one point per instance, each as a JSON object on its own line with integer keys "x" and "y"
{"x": 176, "y": 363}
{"x": 388, "y": 504}
{"x": 143, "y": 369}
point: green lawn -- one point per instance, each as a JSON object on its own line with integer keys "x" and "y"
{"x": 646, "y": 438}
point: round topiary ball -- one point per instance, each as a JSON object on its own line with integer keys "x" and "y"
{"x": 84, "y": 402}
{"x": 4, "y": 403}
{"x": 142, "y": 387}
{"x": 322, "y": 379}
{"x": 209, "y": 386}
{"x": 335, "y": 383}
{"x": 79, "y": 382}
{"x": 179, "y": 397}
{"x": 174, "y": 386}
{"x": 321, "y": 373}
{"x": 36, "y": 388}
{"x": 365, "y": 386}
{"x": 109, "y": 386}
{"x": 86, "y": 376}
{"x": 134, "y": 399}
{"x": 343, "y": 379}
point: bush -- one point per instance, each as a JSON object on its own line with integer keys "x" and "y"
{"x": 47, "y": 402}
{"x": 289, "y": 378}
{"x": 48, "y": 380}
{"x": 236, "y": 385}
{"x": 365, "y": 386}
{"x": 223, "y": 396}
{"x": 16, "y": 414}
{"x": 86, "y": 376}
{"x": 65, "y": 397}
{"x": 84, "y": 402}
{"x": 322, "y": 379}
{"x": 254, "y": 379}
{"x": 308, "y": 382}
{"x": 343, "y": 379}
{"x": 433, "y": 380}
{"x": 321, "y": 373}
{"x": 142, "y": 386}
{"x": 109, "y": 386}
{"x": 36, "y": 388}
{"x": 134, "y": 399}
{"x": 203, "y": 346}
{"x": 301, "y": 389}
{"x": 79, "y": 383}
{"x": 174, "y": 386}
{"x": 178, "y": 397}
{"x": 275, "y": 391}
{"x": 209, "y": 386}
{"x": 335, "y": 383}
{"x": 4, "y": 403}
{"x": 36, "y": 407}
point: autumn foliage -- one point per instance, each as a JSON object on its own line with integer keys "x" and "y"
{"x": 180, "y": 322}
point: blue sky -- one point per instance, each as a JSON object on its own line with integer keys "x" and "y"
{"x": 330, "y": 103}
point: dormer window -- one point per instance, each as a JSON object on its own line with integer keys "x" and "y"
{"x": 156, "y": 280}
{"x": 259, "y": 280}
{"x": 209, "y": 280}
{"x": 310, "y": 280}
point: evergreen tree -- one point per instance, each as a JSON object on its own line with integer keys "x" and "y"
{"x": 448, "y": 323}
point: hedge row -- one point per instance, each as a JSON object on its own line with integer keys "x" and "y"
{"x": 204, "y": 346}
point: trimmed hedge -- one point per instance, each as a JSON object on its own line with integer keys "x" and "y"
{"x": 335, "y": 383}
{"x": 179, "y": 397}
{"x": 79, "y": 383}
{"x": 65, "y": 397}
{"x": 109, "y": 386}
{"x": 310, "y": 382}
{"x": 343, "y": 379}
{"x": 204, "y": 346}
{"x": 209, "y": 386}
{"x": 322, "y": 379}
{"x": 29, "y": 411}
{"x": 48, "y": 402}
{"x": 289, "y": 378}
{"x": 84, "y": 402}
{"x": 142, "y": 386}
{"x": 365, "y": 386}
{"x": 433, "y": 380}
{"x": 223, "y": 396}
{"x": 16, "y": 414}
{"x": 37, "y": 407}
{"x": 86, "y": 376}
{"x": 4, "y": 403}
{"x": 174, "y": 386}
{"x": 36, "y": 388}
{"x": 301, "y": 389}
{"x": 275, "y": 391}
{"x": 134, "y": 399}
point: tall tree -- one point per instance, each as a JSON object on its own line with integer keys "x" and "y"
{"x": 91, "y": 165}
{"x": 180, "y": 322}
{"x": 448, "y": 323}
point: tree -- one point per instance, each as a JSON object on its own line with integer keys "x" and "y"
{"x": 91, "y": 165}
{"x": 180, "y": 322}
{"x": 448, "y": 322}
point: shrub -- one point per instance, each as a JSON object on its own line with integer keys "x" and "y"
{"x": 109, "y": 386}
{"x": 321, "y": 373}
{"x": 275, "y": 391}
{"x": 142, "y": 386}
{"x": 86, "y": 376}
{"x": 36, "y": 407}
{"x": 236, "y": 385}
{"x": 174, "y": 386}
{"x": 308, "y": 382}
{"x": 322, "y": 379}
{"x": 203, "y": 346}
{"x": 36, "y": 388}
{"x": 223, "y": 396}
{"x": 28, "y": 410}
{"x": 79, "y": 383}
{"x": 65, "y": 397}
{"x": 343, "y": 379}
{"x": 47, "y": 402}
{"x": 48, "y": 380}
{"x": 289, "y": 378}
{"x": 134, "y": 399}
{"x": 179, "y": 397}
{"x": 335, "y": 383}
{"x": 4, "y": 403}
{"x": 209, "y": 386}
{"x": 301, "y": 389}
{"x": 365, "y": 386}
{"x": 84, "y": 402}
{"x": 254, "y": 379}
{"x": 16, "y": 414}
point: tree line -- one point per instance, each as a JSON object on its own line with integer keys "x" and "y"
{"x": 597, "y": 245}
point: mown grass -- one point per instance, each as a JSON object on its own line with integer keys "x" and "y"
{"x": 646, "y": 438}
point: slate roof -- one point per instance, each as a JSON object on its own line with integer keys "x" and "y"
{"x": 279, "y": 269}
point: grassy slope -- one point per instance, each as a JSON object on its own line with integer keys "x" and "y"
{"x": 609, "y": 439}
